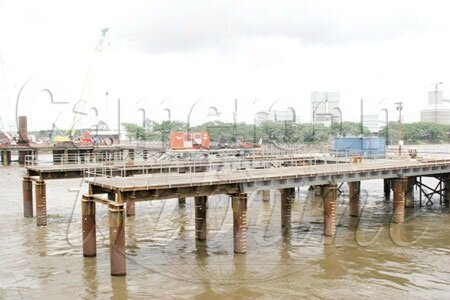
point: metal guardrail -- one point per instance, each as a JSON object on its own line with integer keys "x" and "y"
{"x": 213, "y": 162}
{"x": 195, "y": 166}
{"x": 230, "y": 165}
{"x": 75, "y": 159}
{"x": 372, "y": 169}
{"x": 140, "y": 156}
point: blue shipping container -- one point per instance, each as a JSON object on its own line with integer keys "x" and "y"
{"x": 369, "y": 147}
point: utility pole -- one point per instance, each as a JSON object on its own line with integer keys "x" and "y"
{"x": 436, "y": 91}
{"x": 118, "y": 118}
{"x": 387, "y": 126}
{"x": 362, "y": 117}
{"x": 399, "y": 107}
{"x": 235, "y": 120}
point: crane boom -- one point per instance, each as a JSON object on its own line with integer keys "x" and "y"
{"x": 79, "y": 109}
{"x": 80, "y": 106}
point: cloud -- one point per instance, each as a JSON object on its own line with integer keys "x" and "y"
{"x": 173, "y": 26}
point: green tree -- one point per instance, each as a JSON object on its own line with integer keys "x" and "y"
{"x": 418, "y": 133}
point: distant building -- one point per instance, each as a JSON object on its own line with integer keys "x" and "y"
{"x": 436, "y": 111}
{"x": 325, "y": 107}
{"x": 440, "y": 115}
{"x": 277, "y": 116}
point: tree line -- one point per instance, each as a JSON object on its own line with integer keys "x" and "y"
{"x": 288, "y": 132}
{"x": 284, "y": 132}
{"x": 228, "y": 133}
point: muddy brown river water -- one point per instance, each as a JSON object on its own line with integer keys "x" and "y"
{"x": 368, "y": 258}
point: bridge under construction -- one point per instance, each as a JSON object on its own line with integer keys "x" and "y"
{"x": 119, "y": 185}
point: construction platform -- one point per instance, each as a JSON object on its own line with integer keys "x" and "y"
{"x": 119, "y": 180}
{"x": 121, "y": 193}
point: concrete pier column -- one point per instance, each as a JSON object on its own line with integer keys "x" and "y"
{"x": 21, "y": 158}
{"x": 447, "y": 190}
{"x": 117, "y": 240}
{"x": 266, "y": 195}
{"x": 131, "y": 207}
{"x": 409, "y": 193}
{"x": 41, "y": 203}
{"x": 6, "y": 157}
{"x": 329, "y": 194}
{"x": 27, "y": 186}
{"x": 23, "y": 130}
{"x": 239, "y": 203}
{"x": 201, "y": 226}
{"x": 387, "y": 187}
{"x": 287, "y": 195}
{"x": 399, "y": 186}
{"x": 354, "y": 189}
{"x": 182, "y": 200}
{"x": 89, "y": 233}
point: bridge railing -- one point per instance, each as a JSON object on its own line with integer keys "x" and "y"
{"x": 205, "y": 165}
{"x": 229, "y": 165}
{"x": 223, "y": 164}
{"x": 145, "y": 155}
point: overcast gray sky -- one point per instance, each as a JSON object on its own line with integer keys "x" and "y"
{"x": 217, "y": 51}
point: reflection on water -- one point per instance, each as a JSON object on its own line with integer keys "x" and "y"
{"x": 89, "y": 278}
{"x": 368, "y": 257}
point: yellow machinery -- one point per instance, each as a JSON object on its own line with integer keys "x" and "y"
{"x": 80, "y": 106}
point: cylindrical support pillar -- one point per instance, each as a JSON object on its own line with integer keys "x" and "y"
{"x": 329, "y": 194}
{"x": 266, "y": 195}
{"x": 89, "y": 233}
{"x": 201, "y": 227}
{"x": 387, "y": 187}
{"x": 41, "y": 203}
{"x": 447, "y": 190}
{"x": 239, "y": 203}
{"x": 399, "y": 186}
{"x": 131, "y": 207}
{"x": 287, "y": 195}
{"x": 354, "y": 189}
{"x": 23, "y": 130}
{"x": 22, "y": 155}
{"x": 409, "y": 195}
{"x": 27, "y": 186}
{"x": 6, "y": 158}
{"x": 182, "y": 200}
{"x": 117, "y": 240}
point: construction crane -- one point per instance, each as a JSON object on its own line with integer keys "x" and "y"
{"x": 79, "y": 110}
